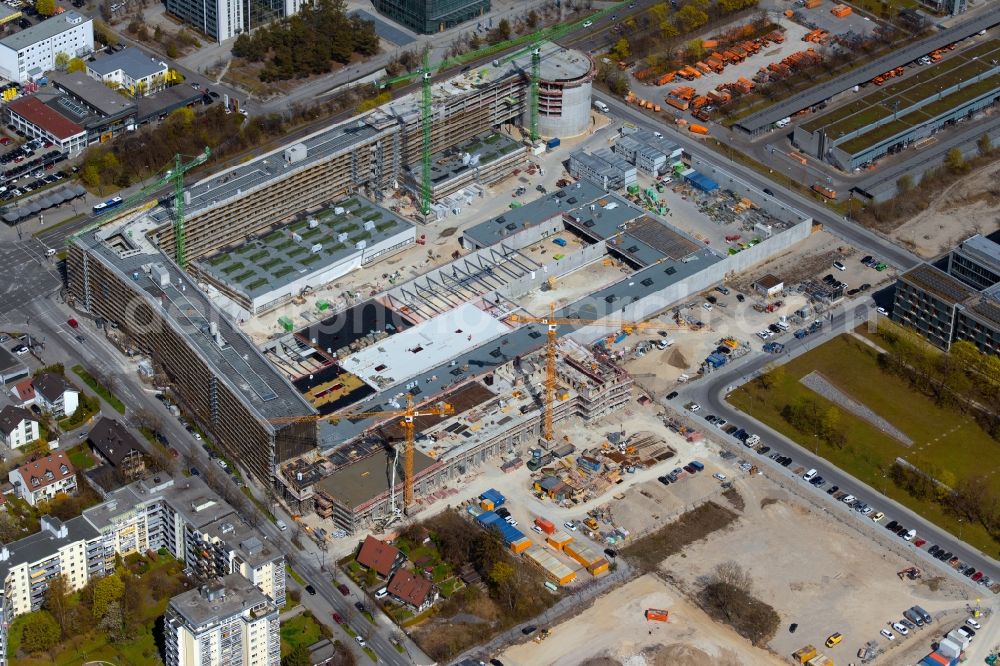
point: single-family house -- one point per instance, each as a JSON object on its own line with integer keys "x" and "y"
{"x": 17, "y": 426}
{"x": 382, "y": 557}
{"x": 112, "y": 442}
{"x": 44, "y": 478}
{"x": 23, "y": 392}
{"x": 412, "y": 590}
{"x": 55, "y": 395}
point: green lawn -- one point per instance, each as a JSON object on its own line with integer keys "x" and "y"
{"x": 298, "y": 579}
{"x": 98, "y": 389}
{"x": 80, "y": 457}
{"x": 944, "y": 438}
{"x": 303, "y": 629}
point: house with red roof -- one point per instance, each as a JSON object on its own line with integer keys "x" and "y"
{"x": 380, "y": 556}
{"x": 44, "y": 478}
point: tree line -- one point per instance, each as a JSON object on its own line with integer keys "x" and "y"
{"x": 308, "y": 43}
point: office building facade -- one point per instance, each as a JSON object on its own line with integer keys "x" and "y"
{"x": 430, "y": 16}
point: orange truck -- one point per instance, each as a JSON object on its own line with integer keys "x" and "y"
{"x": 699, "y": 101}
{"x": 665, "y": 79}
{"x": 825, "y": 191}
{"x": 840, "y": 11}
{"x": 657, "y": 615}
{"x": 698, "y": 129}
{"x": 703, "y": 68}
{"x": 677, "y": 103}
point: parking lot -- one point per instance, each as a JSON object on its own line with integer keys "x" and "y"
{"x": 27, "y": 167}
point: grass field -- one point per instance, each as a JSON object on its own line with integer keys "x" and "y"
{"x": 944, "y": 439}
{"x": 303, "y": 629}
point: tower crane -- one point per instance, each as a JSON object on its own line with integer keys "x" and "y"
{"x": 425, "y": 74}
{"x": 140, "y": 201}
{"x": 552, "y": 323}
{"x": 409, "y": 415}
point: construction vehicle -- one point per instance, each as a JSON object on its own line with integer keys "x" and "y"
{"x": 590, "y": 523}
{"x": 912, "y": 573}
{"x": 408, "y": 414}
{"x": 137, "y": 203}
{"x": 657, "y": 615}
{"x": 425, "y": 73}
{"x": 804, "y": 654}
{"x": 824, "y": 191}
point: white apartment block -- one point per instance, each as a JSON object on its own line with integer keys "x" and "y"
{"x": 230, "y": 623}
{"x": 17, "y": 426}
{"x": 131, "y": 70}
{"x": 55, "y": 395}
{"x": 28, "y": 54}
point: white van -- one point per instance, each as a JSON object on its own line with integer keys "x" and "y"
{"x": 783, "y": 123}
{"x": 810, "y": 475}
{"x": 382, "y": 593}
{"x": 601, "y": 106}
{"x": 281, "y": 524}
{"x": 663, "y": 344}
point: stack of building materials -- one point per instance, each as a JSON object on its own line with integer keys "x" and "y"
{"x": 553, "y": 568}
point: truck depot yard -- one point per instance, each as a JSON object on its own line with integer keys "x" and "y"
{"x": 959, "y": 451}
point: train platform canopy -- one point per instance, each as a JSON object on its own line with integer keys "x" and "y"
{"x": 427, "y": 345}
{"x": 701, "y": 181}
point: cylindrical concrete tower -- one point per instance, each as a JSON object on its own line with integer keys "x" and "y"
{"x": 564, "y": 91}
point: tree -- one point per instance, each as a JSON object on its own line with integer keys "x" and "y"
{"x": 691, "y": 18}
{"x": 299, "y": 656}
{"x": 41, "y": 632}
{"x": 57, "y": 601}
{"x": 75, "y": 65}
{"x": 532, "y": 19}
{"x": 61, "y": 60}
{"x": 45, "y": 7}
{"x": 985, "y": 145}
{"x": 955, "y": 161}
{"x": 621, "y": 50}
{"x": 695, "y": 48}
{"x": 107, "y": 590}
{"x": 904, "y": 184}
{"x": 113, "y": 623}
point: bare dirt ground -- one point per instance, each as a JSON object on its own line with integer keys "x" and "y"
{"x": 614, "y": 631}
{"x": 814, "y": 571}
{"x": 970, "y": 206}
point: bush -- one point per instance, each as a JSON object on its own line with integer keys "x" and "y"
{"x": 727, "y": 597}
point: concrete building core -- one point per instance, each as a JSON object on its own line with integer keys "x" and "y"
{"x": 564, "y": 91}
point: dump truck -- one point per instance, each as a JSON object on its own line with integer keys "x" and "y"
{"x": 804, "y": 654}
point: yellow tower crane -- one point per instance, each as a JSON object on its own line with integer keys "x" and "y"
{"x": 552, "y": 323}
{"x": 408, "y": 414}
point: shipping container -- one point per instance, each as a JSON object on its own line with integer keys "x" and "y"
{"x": 486, "y": 504}
{"x": 521, "y": 545}
{"x": 598, "y": 567}
{"x": 550, "y": 565}
{"x": 552, "y": 143}
{"x": 804, "y": 654}
{"x": 559, "y": 539}
{"x": 820, "y": 660}
{"x": 487, "y": 518}
{"x": 677, "y": 103}
{"x": 581, "y": 553}
{"x": 545, "y": 525}
{"x": 494, "y": 496}
{"x": 698, "y": 129}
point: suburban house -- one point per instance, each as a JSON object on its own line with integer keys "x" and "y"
{"x": 112, "y": 442}
{"x": 411, "y": 590}
{"x": 24, "y": 392}
{"x": 131, "y": 70}
{"x": 44, "y": 478}
{"x": 381, "y": 557}
{"x": 18, "y": 426}
{"x": 55, "y": 395}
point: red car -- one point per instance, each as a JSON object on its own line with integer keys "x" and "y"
{"x": 73, "y": 323}
{"x": 337, "y": 618}
{"x": 976, "y": 577}
{"x": 343, "y": 589}
{"x": 174, "y": 453}
{"x": 6, "y": 141}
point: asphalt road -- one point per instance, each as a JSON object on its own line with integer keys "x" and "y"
{"x": 852, "y": 233}
{"x": 710, "y": 393}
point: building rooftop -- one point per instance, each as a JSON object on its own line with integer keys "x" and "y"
{"x": 233, "y": 358}
{"x": 45, "y": 30}
{"x": 479, "y": 150}
{"x": 939, "y": 283}
{"x": 93, "y": 93}
{"x": 768, "y": 281}
{"x": 270, "y": 167}
{"x": 427, "y": 345}
{"x": 983, "y": 250}
{"x": 54, "y": 535}
{"x": 557, "y": 63}
{"x": 324, "y": 239}
{"x": 113, "y": 440}
{"x": 242, "y": 539}
{"x": 362, "y": 481}
{"x": 45, "y": 471}
{"x": 215, "y": 602}
{"x": 410, "y": 588}
{"x": 11, "y": 417}
{"x": 24, "y": 390}
{"x": 135, "y": 63}
{"x": 378, "y": 555}
{"x": 35, "y": 111}
{"x": 189, "y": 495}
{"x": 164, "y": 101}
{"x": 9, "y": 362}
{"x": 51, "y": 386}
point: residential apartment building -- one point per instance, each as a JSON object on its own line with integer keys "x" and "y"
{"x": 27, "y": 55}
{"x": 43, "y": 479}
{"x": 17, "y": 426}
{"x": 73, "y": 549}
{"x": 959, "y": 302}
{"x": 184, "y": 516}
{"x": 228, "y": 623}
{"x": 55, "y": 395}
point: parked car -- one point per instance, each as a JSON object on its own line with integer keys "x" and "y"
{"x": 311, "y": 590}
{"x": 530, "y": 629}
{"x": 343, "y": 589}
{"x": 337, "y": 618}
{"x": 888, "y": 634}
